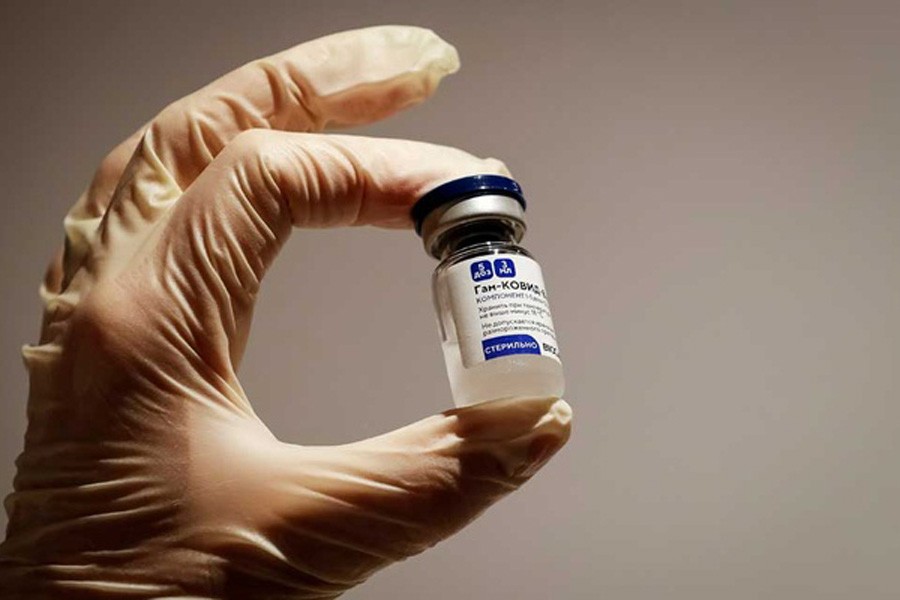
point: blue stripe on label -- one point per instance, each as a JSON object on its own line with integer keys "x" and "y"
{"x": 509, "y": 344}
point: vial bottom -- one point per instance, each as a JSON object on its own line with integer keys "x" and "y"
{"x": 516, "y": 376}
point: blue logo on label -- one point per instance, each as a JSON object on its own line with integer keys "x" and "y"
{"x": 505, "y": 345}
{"x": 481, "y": 270}
{"x": 504, "y": 267}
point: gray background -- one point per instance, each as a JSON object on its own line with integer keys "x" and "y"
{"x": 714, "y": 198}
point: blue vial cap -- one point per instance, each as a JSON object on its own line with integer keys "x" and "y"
{"x": 462, "y": 189}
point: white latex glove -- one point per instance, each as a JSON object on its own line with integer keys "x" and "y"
{"x": 146, "y": 473}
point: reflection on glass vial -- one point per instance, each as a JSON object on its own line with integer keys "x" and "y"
{"x": 496, "y": 330}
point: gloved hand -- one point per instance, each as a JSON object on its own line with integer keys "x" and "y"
{"x": 145, "y": 472}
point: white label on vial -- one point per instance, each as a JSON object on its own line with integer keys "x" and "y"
{"x": 499, "y": 305}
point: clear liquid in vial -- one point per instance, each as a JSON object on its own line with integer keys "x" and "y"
{"x": 517, "y": 376}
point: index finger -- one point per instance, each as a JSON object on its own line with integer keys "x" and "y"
{"x": 340, "y": 80}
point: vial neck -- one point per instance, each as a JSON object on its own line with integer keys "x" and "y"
{"x": 471, "y": 234}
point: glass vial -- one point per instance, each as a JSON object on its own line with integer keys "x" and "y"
{"x": 494, "y": 318}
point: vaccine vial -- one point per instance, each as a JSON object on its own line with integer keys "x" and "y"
{"x": 493, "y": 314}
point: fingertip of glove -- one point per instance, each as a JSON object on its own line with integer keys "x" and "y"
{"x": 512, "y": 418}
{"x": 436, "y": 56}
{"x": 562, "y": 413}
{"x": 446, "y": 62}
{"x": 545, "y": 445}
{"x": 433, "y": 50}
